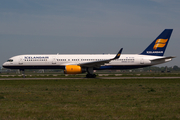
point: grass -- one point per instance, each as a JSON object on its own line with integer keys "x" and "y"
{"x": 89, "y": 99}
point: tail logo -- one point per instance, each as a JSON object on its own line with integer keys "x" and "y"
{"x": 118, "y": 55}
{"x": 160, "y": 43}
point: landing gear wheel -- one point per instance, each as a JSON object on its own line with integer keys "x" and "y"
{"x": 90, "y": 75}
{"x": 23, "y": 73}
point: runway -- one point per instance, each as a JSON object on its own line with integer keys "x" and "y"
{"x": 66, "y": 78}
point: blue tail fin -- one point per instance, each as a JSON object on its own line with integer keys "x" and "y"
{"x": 158, "y": 46}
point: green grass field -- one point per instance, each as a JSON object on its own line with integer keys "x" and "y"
{"x": 90, "y": 99}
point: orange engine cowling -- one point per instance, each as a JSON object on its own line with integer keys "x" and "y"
{"x": 73, "y": 69}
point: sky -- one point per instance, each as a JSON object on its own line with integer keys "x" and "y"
{"x": 86, "y": 26}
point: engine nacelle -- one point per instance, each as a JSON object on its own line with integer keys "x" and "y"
{"x": 73, "y": 69}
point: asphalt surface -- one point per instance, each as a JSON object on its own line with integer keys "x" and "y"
{"x": 90, "y": 78}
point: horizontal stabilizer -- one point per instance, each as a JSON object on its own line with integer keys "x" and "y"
{"x": 164, "y": 58}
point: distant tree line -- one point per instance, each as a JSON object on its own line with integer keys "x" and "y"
{"x": 162, "y": 69}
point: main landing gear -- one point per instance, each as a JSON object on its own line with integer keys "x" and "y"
{"x": 90, "y": 73}
{"x": 23, "y": 73}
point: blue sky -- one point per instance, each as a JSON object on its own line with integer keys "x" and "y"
{"x": 84, "y": 26}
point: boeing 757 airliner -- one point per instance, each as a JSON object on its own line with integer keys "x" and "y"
{"x": 81, "y": 63}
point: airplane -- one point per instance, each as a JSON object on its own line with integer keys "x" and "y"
{"x": 87, "y": 63}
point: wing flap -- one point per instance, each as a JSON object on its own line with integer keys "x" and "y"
{"x": 94, "y": 64}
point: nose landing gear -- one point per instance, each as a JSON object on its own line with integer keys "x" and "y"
{"x": 23, "y": 73}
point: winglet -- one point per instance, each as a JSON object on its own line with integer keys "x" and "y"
{"x": 118, "y": 54}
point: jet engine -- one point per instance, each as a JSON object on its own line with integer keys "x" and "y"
{"x": 74, "y": 69}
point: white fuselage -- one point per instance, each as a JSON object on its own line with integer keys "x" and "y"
{"x": 59, "y": 61}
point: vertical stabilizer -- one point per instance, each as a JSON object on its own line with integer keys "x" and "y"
{"x": 158, "y": 46}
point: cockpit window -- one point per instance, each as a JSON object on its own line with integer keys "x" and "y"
{"x": 10, "y": 60}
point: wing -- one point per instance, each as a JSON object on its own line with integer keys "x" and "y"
{"x": 102, "y": 62}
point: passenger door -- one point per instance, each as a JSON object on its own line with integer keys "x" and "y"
{"x": 20, "y": 61}
{"x": 141, "y": 61}
{"x": 54, "y": 60}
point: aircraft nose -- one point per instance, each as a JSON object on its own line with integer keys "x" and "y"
{"x": 4, "y": 64}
